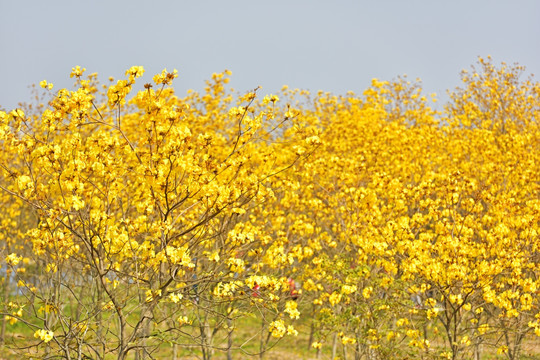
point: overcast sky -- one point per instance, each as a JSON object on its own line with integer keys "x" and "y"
{"x": 325, "y": 45}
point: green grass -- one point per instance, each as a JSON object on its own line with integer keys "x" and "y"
{"x": 246, "y": 341}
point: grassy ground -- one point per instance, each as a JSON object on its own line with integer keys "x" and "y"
{"x": 293, "y": 348}
{"x": 246, "y": 345}
{"x": 292, "y": 351}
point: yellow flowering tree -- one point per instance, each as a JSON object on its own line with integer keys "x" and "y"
{"x": 371, "y": 224}
{"x": 136, "y": 201}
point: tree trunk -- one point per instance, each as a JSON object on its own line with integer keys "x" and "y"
{"x": 229, "y": 339}
{"x": 5, "y": 300}
{"x": 334, "y": 346}
{"x": 99, "y": 315}
{"x": 261, "y": 345}
{"x": 477, "y": 351}
{"x": 311, "y": 333}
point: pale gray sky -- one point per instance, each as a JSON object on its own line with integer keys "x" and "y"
{"x": 325, "y": 45}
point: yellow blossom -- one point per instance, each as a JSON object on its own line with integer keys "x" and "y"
{"x": 44, "y": 335}
{"x": 13, "y": 259}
